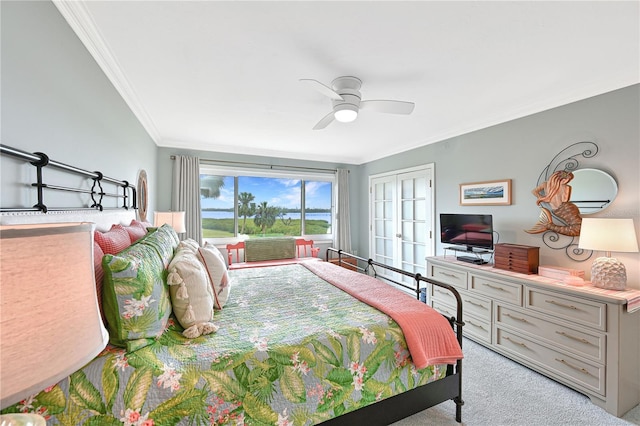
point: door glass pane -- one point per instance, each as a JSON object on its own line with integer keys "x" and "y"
{"x": 388, "y": 209}
{"x": 407, "y": 231}
{"x": 421, "y": 187}
{"x": 421, "y": 209}
{"x": 380, "y": 227}
{"x": 420, "y": 253}
{"x": 420, "y": 232}
{"x": 379, "y": 213}
{"x": 389, "y": 230}
{"x": 407, "y": 210}
{"x": 407, "y": 253}
{"x": 388, "y": 191}
{"x": 407, "y": 188}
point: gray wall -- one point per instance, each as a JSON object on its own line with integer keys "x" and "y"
{"x": 519, "y": 150}
{"x": 56, "y": 100}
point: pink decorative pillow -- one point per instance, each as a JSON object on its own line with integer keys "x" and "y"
{"x": 216, "y": 266}
{"x": 114, "y": 240}
{"x": 136, "y": 230}
{"x": 99, "y": 273}
{"x": 143, "y": 225}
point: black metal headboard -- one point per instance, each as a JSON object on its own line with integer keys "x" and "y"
{"x": 123, "y": 189}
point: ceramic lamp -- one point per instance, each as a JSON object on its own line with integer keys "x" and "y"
{"x": 608, "y": 235}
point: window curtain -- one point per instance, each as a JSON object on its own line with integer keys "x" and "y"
{"x": 342, "y": 239}
{"x": 186, "y": 194}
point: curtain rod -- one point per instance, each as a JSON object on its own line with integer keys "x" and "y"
{"x": 270, "y": 166}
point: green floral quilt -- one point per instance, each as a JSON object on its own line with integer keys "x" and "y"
{"x": 291, "y": 350}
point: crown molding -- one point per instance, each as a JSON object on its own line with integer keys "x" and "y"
{"x": 81, "y": 22}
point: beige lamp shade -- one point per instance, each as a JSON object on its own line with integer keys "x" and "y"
{"x": 174, "y": 219}
{"x": 50, "y": 324}
{"x": 608, "y": 235}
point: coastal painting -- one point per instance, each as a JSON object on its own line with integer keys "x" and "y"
{"x": 491, "y": 193}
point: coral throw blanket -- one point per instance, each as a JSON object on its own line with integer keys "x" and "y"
{"x": 429, "y": 336}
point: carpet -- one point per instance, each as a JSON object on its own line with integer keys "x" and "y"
{"x": 517, "y": 396}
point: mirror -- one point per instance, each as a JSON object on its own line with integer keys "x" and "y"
{"x": 592, "y": 190}
{"x": 143, "y": 196}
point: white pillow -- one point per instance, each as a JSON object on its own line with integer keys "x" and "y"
{"x": 192, "y": 298}
{"x": 190, "y": 244}
{"x": 216, "y": 266}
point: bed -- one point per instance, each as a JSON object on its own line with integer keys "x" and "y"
{"x": 321, "y": 357}
{"x": 293, "y": 345}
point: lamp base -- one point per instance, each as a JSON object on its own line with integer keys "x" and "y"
{"x": 609, "y": 273}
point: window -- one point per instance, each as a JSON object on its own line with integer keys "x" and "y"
{"x": 257, "y": 203}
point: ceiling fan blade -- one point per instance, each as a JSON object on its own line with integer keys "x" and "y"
{"x": 391, "y": 107}
{"x": 325, "y": 90}
{"x": 326, "y": 120}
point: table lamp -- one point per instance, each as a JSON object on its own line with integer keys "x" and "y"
{"x": 50, "y": 324}
{"x": 605, "y": 234}
{"x": 174, "y": 219}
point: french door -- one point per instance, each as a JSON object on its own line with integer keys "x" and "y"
{"x": 401, "y": 212}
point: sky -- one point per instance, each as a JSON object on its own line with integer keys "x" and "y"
{"x": 275, "y": 191}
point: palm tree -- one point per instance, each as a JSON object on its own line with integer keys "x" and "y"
{"x": 246, "y": 207}
{"x": 265, "y": 216}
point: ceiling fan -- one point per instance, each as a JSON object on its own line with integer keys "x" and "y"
{"x": 347, "y": 101}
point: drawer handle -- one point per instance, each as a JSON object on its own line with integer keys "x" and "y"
{"x": 438, "y": 290}
{"x": 579, "y": 339}
{"x": 480, "y": 305}
{"x": 515, "y": 318}
{"x": 495, "y": 287}
{"x": 517, "y": 343}
{"x": 580, "y": 369}
{"x": 475, "y": 325}
{"x": 449, "y": 275}
{"x": 562, "y": 305}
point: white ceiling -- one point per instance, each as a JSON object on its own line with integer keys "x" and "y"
{"x": 223, "y": 75}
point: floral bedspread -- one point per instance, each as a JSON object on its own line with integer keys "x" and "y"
{"x": 291, "y": 350}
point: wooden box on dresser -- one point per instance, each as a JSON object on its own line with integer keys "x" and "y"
{"x": 584, "y": 337}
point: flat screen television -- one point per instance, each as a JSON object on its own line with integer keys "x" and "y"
{"x": 467, "y": 230}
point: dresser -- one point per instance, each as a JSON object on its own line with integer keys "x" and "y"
{"x": 584, "y": 337}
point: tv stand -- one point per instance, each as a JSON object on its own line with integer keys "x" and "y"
{"x": 476, "y": 257}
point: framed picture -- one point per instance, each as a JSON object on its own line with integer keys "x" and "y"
{"x": 492, "y": 193}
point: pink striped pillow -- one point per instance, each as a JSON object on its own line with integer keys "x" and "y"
{"x": 99, "y": 274}
{"x": 114, "y": 240}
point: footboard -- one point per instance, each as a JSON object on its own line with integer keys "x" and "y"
{"x": 449, "y": 388}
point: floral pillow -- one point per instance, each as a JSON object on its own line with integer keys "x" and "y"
{"x": 165, "y": 240}
{"x": 216, "y": 266}
{"x": 191, "y": 293}
{"x": 136, "y": 299}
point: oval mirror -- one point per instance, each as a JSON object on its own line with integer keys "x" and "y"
{"x": 143, "y": 196}
{"x": 592, "y": 190}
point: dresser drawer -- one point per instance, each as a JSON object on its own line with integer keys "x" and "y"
{"x": 472, "y": 304}
{"x": 590, "y": 345}
{"x": 448, "y": 276}
{"x": 501, "y": 290}
{"x": 578, "y": 311}
{"x": 473, "y": 327}
{"x": 586, "y": 375}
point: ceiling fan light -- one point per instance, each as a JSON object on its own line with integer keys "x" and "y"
{"x": 345, "y": 113}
